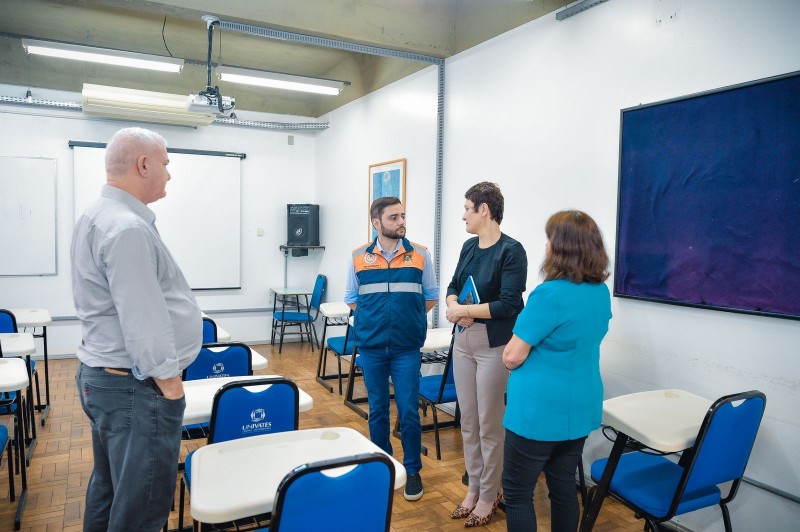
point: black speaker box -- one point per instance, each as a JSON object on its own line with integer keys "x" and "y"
{"x": 302, "y": 224}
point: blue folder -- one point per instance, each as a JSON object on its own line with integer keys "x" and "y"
{"x": 469, "y": 296}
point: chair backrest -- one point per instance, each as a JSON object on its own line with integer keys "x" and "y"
{"x": 447, "y": 374}
{"x": 209, "y": 331}
{"x": 253, "y": 407}
{"x": 220, "y": 360}
{"x": 8, "y": 323}
{"x": 310, "y": 497}
{"x": 348, "y": 343}
{"x": 723, "y": 445}
{"x": 319, "y": 290}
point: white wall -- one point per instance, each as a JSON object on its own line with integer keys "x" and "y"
{"x": 537, "y": 110}
{"x": 274, "y": 173}
{"x": 398, "y": 121}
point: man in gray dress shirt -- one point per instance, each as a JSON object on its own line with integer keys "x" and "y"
{"x": 141, "y": 327}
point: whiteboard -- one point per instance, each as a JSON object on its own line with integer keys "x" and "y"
{"x": 27, "y": 216}
{"x": 200, "y": 218}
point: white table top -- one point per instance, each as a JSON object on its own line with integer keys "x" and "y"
{"x": 240, "y": 478}
{"x": 13, "y": 374}
{"x": 31, "y": 317}
{"x": 334, "y": 309}
{"x": 17, "y": 344}
{"x": 437, "y": 340}
{"x": 665, "y": 420}
{"x": 292, "y": 291}
{"x": 200, "y": 397}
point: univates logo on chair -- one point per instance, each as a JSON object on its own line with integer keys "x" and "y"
{"x": 258, "y": 424}
{"x": 219, "y": 371}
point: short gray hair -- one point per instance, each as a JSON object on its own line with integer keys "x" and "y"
{"x": 127, "y": 145}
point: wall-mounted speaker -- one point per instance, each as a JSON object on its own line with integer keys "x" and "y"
{"x": 302, "y": 224}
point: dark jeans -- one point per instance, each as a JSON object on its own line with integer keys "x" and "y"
{"x": 403, "y": 367}
{"x": 524, "y": 460}
{"x": 136, "y": 438}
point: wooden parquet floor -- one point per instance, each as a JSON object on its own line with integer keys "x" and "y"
{"x": 62, "y": 461}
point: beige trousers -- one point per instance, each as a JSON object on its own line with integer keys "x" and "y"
{"x": 481, "y": 384}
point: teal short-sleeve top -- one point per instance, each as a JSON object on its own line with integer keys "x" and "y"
{"x": 557, "y": 393}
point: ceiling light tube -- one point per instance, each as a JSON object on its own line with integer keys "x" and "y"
{"x": 280, "y": 81}
{"x": 102, "y": 55}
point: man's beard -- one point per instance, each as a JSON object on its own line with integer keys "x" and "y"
{"x": 397, "y": 234}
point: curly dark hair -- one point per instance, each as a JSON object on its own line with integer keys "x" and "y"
{"x": 488, "y": 193}
{"x": 577, "y": 252}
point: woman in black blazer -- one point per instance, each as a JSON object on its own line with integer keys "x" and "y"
{"x": 499, "y": 267}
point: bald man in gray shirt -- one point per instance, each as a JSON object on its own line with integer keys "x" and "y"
{"x": 141, "y": 327}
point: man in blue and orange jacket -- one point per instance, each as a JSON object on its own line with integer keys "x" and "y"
{"x": 391, "y": 286}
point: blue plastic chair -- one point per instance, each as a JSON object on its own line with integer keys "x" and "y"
{"x": 340, "y": 346}
{"x": 657, "y": 489}
{"x": 220, "y": 360}
{"x": 5, "y": 445}
{"x": 8, "y": 324}
{"x": 215, "y": 361}
{"x": 310, "y": 497}
{"x": 303, "y": 320}
{"x": 209, "y": 331}
{"x": 435, "y": 390}
{"x": 248, "y": 408}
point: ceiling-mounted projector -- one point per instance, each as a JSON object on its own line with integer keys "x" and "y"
{"x": 210, "y": 102}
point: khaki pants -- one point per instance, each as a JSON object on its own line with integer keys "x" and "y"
{"x": 481, "y": 384}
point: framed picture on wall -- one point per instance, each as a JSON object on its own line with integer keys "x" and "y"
{"x": 385, "y": 179}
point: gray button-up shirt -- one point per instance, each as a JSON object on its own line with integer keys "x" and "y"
{"x": 136, "y": 308}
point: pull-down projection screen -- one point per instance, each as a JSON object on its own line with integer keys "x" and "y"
{"x": 709, "y": 200}
{"x": 199, "y": 219}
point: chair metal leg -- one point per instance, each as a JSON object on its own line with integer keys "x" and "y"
{"x": 11, "y": 494}
{"x": 180, "y": 505}
{"x": 582, "y": 481}
{"x": 436, "y": 432}
{"x": 726, "y": 516}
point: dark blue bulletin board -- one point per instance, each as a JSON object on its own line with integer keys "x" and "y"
{"x": 709, "y": 200}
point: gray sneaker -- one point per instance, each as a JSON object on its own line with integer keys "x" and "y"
{"x": 413, "y": 491}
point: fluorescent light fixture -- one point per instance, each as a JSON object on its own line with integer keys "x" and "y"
{"x": 143, "y": 106}
{"x": 574, "y": 9}
{"x": 102, "y": 55}
{"x": 277, "y": 80}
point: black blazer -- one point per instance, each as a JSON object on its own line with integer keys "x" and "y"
{"x": 500, "y": 282}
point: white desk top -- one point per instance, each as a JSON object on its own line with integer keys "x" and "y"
{"x": 223, "y": 335}
{"x": 665, "y": 420}
{"x": 31, "y": 317}
{"x": 334, "y": 309}
{"x": 17, "y": 344}
{"x": 240, "y": 478}
{"x": 200, "y": 397}
{"x": 292, "y": 291}
{"x": 437, "y": 340}
{"x": 13, "y": 374}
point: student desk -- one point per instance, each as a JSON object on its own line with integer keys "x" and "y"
{"x": 284, "y": 294}
{"x": 333, "y": 314}
{"x": 14, "y": 378}
{"x": 240, "y": 478}
{"x": 664, "y": 420}
{"x": 27, "y": 317}
{"x": 200, "y": 397}
{"x": 22, "y": 345}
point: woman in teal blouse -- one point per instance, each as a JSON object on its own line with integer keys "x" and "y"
{"x": 555, "y": 393}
